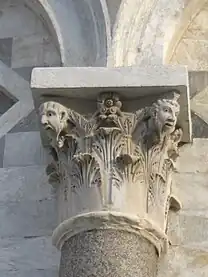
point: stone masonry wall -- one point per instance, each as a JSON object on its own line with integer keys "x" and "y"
{"x": 28, "y": 210}
{"x": 188, "y": 229}
{"x": 27, "y": 206}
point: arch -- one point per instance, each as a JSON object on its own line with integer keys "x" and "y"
{"x": 131, "y": 22}
{"x": 138, "y": 36}
{"x": 185, "y": 44}
{"x": 67, "y": 22}
{"x": 45, "y": 11}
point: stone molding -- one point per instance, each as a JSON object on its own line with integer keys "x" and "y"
{"x": 104, "y": 220}
{"x": 116, "y": 162}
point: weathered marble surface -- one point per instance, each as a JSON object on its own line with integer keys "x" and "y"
{"x": 23, "y": 257}
{"x": 194, "y": 157}
{"x": 33, "y": 153}
{"x": 28, "y": 216}
{"x": 28, "y": 207}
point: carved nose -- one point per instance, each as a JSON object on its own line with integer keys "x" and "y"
{"x": 44, "y": 120}
{"x": 171, "y": 120}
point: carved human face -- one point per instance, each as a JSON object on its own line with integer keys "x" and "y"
{"x": 53, "y": 117}
{"x": 167, "y": 117}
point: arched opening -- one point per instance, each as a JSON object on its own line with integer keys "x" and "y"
{"x": 188, "y": 45}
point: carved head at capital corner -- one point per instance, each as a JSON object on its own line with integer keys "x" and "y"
{"x": 53, "y": 118}
{"x": 165, "y": 112}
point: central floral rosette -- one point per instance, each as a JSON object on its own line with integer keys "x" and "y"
{"x": 109, "y": 108}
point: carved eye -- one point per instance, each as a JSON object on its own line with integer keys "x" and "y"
{"x": 50, "y": 113}
{"x": 166, "y": 110}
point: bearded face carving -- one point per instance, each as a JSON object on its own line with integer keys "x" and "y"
{"x": 167, "y": 117}
{"x": 164, "y": 114}
{"x": 54, "y": 119}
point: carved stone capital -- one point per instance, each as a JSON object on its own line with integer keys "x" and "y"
{"x": 114, "y": 164}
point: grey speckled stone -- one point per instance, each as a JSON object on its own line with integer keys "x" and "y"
{"x": 199, "y": 127}
{"x": 2, "y": 145}
{"x": 32, "y": 257}
{"x": 27, "y": 124}
{"x": 5, "y": 102}
{"x": 24, "y": 72}
{"x": 198, "y": 81}
{"x": 33, "y": 154}
{"x": 108, "y": 253}
{"x": 6, "y": 50}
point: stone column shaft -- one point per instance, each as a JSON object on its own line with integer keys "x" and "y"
{"x": 109, "y": 253}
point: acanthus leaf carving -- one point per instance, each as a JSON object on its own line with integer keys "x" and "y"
{"x": 85, "y": 172}
{"x": 117, "y": 149}
{"x": 107, "y": 145}
{"x": 54, "y": 177}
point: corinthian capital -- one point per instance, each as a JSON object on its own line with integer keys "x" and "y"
{"x": 116, "y": 161}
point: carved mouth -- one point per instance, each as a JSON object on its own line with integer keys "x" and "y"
{"x": 169, "y": 124}
{"x": 47, "y": 127}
